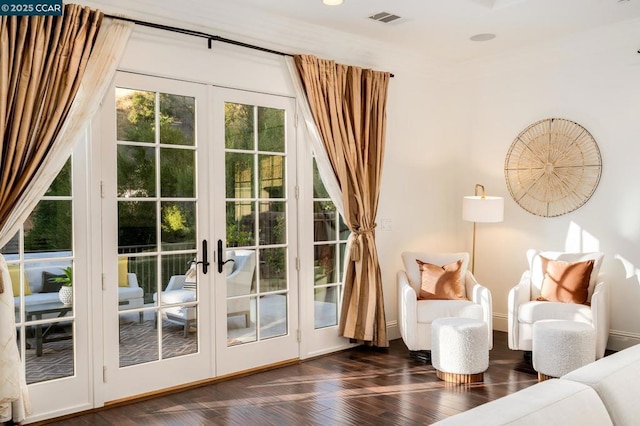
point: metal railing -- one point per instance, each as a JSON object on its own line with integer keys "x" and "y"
{"x": 174, "y": 260}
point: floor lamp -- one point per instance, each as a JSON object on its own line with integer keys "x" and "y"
{"x": 480, "y": 208}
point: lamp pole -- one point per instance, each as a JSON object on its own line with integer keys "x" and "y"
{"x": 473, "y": 241}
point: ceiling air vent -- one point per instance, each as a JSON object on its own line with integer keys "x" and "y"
{"x": 384, "y": 17}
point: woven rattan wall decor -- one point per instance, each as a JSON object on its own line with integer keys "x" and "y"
{"x": 553, "y": 167}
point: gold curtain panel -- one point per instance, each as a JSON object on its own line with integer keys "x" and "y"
{"x": 553, "y": 167}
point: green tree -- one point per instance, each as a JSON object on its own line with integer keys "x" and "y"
{"x": 49, "y": 225}
{"x": 136, "y": 122}
{"x": 248, "y": 128}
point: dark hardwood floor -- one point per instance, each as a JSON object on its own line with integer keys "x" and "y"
{"x": 360, "y": 386}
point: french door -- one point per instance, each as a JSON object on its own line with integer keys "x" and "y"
{"x": 52, "y": 332}
{"x": 154, "y": 183}
{"x": 198, "y": 213}
{"x": 257, "y": 307}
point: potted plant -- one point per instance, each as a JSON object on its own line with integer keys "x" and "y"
{"x": 66, "y": 290}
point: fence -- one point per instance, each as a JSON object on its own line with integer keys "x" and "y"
{"x": 146, "y": 266}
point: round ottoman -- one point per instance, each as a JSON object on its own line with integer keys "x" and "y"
{"x": 459, "y": 349}
{"x": 561, "y": 346}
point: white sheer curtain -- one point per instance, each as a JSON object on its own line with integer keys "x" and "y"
{"x": 107, "y": 52}
{"x": 327, "y": 174}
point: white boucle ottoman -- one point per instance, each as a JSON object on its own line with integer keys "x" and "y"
{"x": 459, "y": 349}
{"x": 561, "y": 346}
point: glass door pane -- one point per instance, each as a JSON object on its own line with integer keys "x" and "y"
{"x": 48, "y": 263}
{"x": 40, "y": 260}
{"x": 156, "y": 163}
{"x": 330, "y": 236}
{"x": 257, "y": 288}
{"x": 260, "y": 290}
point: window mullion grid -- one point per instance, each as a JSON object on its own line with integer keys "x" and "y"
{"x": 256, "y": 225}
{"x": 158, "y": 201}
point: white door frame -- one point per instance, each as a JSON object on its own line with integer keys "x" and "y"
{"x": 243, "y": 357}
{"x": 121, "y": 383}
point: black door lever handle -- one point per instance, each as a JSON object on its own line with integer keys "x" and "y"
{"x": 205, "y": 258}
{"x": 221, "y": 262}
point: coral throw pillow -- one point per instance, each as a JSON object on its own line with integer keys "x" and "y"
{"x": 441, "y": 282}
{"x": 565, "y": 282}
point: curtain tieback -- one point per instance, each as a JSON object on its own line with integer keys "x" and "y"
{"x": 356, "y": 251}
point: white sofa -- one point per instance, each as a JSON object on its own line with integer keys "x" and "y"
{"x": 129, "y": 297}
{"x": 616, "y": 379}
{"x": 601, "y": 393}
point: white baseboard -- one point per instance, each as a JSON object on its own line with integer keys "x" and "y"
{"x": 500, "y": 322}
{"x": 619, "y": 340}
{"x": 393, "y": 332}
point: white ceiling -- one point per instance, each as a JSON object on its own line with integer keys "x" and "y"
{"x": 441, "y": 28}
{"x": 437, "y": 30}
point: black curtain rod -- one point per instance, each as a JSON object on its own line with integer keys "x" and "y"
{"x": 210, "y": 37}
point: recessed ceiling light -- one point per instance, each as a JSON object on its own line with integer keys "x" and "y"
{"x": 332, "y": 2}
{"x": 482, "y": 37}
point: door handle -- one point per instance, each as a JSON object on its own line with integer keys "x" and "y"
{"x": 205, "y": 258}
{"x": 221, "y": 262}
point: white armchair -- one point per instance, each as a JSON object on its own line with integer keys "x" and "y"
{"x": 525, "y": 310}
{"x": 175, "y": 294}
{"x": 240, "y": 274}
{"x": 239, "y": 282}
{"x": 415, "y": 316}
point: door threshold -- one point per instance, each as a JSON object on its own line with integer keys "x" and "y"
{"x": 199, "y": 383}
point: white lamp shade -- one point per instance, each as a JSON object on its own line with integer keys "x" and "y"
{"x": 478, "y": 209}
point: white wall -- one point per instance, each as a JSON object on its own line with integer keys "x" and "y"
{"x": 593, "y": 80}
{"x": 450, "y": 128}
{"x": 419, "y": 186}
